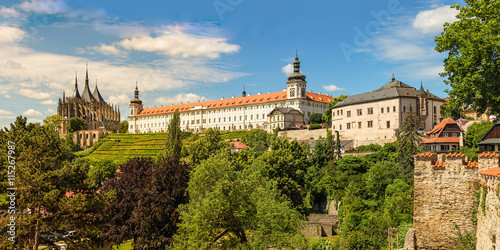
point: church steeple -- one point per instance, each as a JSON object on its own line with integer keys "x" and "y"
{"x": 296, "y": 85}
{"x": 76, "y": 94}
{"x": 244, "y": 92}
{"x": 86, "y": 95}
{"x": 136, "y": 95}
{"x": 97, "y": 96}
{"x": 296, "y": 70}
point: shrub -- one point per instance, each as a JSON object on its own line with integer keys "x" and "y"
{"x": 315, "y": 126}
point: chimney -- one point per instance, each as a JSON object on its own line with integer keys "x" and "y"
{"x": 249, "y": 94}
{"x": 198, "y": 100}
{"x": 259, "y": 93}
{"x": 171, "y": 104}
{"x": 232, "y": 96}
{"x": 222, "y": 98}
{"x": 268, "y": 91}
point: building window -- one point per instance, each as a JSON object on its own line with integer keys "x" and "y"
{"x": 404, "y": 108}
{"x": 230, "y": 118}
{"x": 360, "y": 112}
{"x": 454, "y": 134}
{"x": 370, "y": 111}
{"x": 338, "y": 112}
{"x": 224, "y": 119}
{"x": 445, "y": 147}
{"x": 388, "y": 124}
{"x": 348, "y": 125}
{"x": 349, "y": 113}
{"x": 370, "y": 124}
{"x": 359, "y": 125}
{"x": 192, "y": 121}
{"x": 197, "y": 121}
{"x": 340, "y": 127}
{"x": 388, "y": 109}
{"x": 341, "y": 112}
{"x": 393, "y": 108}
{"x": 381, "y": 110}
{"x": 292, "y": 92}
{"x": 251, "y": 117}
{"x": 434, "y": 109}
{"x": 445, "y": 134}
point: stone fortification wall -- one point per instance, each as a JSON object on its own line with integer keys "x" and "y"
{"x": 445, "y": 195}
{"x": 304, "y": 134}
{"x": 488, "y": 221}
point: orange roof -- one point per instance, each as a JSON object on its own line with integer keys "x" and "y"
{"x": 489, "y": 154}
{"x": 472, "y": 164}
{"x": 491, "y": 172}
{"x": 428, "y": 154}
{"x": 238, "y": 144}
{"x": 442, "y": 140}
{"x": 458, "y": 155}
{"x": 233, "y": 102}
{"x": 439, "y": 164}
{"x": 438, "y": 128}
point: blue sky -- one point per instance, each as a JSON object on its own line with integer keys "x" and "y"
{"x": 203, "y": 50}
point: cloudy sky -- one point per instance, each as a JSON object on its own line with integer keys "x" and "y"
{"x": 203, "y": 50}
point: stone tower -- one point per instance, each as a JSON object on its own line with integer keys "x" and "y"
{"x": 296, "y": 85}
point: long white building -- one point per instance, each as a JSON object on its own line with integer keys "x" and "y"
{"x": 235, "y": 113}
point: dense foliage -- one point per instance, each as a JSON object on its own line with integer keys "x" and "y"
{"x": 472, "y": 63}
{"x": 75, "y": 124}
{"x": 316, "y": 118}
{"x": 476, "y": 131}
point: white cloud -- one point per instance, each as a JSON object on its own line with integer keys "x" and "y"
{"x": 8, "y": 12}
{"x": 431, "y": 21}
{"x": 44, "y": 6}
{"x": 48, "y": 102}
{"x": 7, "y": 96}
{"x": 50, "y": 111}
{"x": 32, "y": 112}
{"x": 35, "y": 94}
{"x": 287, "y": 69}
{"x": 182, "y": 97}
{"x": 178, "y": 43}
{"x": 10, "y": 34}
{"x": 107, "y": 49}
{"x": 32, "y": 120}
{"x": 397, "y": 49}
{"x": 332, "y": 88}
{"x": 5, "y": 112}
{"x": 119, "y": 99}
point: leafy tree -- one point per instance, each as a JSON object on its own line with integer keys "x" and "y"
{"x": 316, "y": 118}
{"x": 205, "y": 146}
{"x": 409, "y": 139}
{"x": 100, "y": 172}
{"x": 315, "y": 126}
{"x": 75, "y": 124}
{"x": 236, "y": 207}
{"x": 53, "y": 121}
{"x": 348, "y": 169}
{"x": 257, "y": 138}
{"x": 173, "y": 142}
{"x": 124, "y": 127}
{"x": 287, "y": 165}
{"x": 398, "y": 203}
{"x": 472, "y": 62}
{"x": 476, "y": 131}
{"x": 379, "y": 177}
{"x": 452, "y": 108}
{"x": 327, "y": 117}
{"x": 147, "y": 196}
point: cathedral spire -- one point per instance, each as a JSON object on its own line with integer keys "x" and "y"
{"x": 76, "y": 94}
{"x": 296, "y": 70}
{"x": 97, "y": 96}
{"x": 87, "y": 73}
{"x": 86, "y": 95}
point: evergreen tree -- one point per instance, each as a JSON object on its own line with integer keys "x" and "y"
{"x": 173, "y": 143}
{"x": 409, "y": 139}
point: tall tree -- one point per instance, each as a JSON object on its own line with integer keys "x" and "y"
{"x": 53, "y": 121}
{"x": 205, "y": 146}
{"x": 236, "y": 207}
{"x": 409, "y": 139}
{"x": 476, "y": 131}
{"x": 75, "y": 124}
{"x": 473, "y": 62}
{"x": 452, "y": 108}
{"x": 173, "y": 142}
{"x": 316, "y": 118}
{"x": 147, "y": 196}
{"x": 327, "y": 116}
{"x": 123, "y": 127}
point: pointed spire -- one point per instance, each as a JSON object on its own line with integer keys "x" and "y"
{"x": 64, "y": 95}
{"x": 87, "y": 72}
{"x": 76, "y": 94}
{"x": 296, "y": 70}
{"x": 244, "y": 92}
{"x": 86, "y": 95}
{"x": 421, "y": 91}
{"x": 97, "y": 96}
{"x": 136, "y": 95}
{"x": 393, "y": 78}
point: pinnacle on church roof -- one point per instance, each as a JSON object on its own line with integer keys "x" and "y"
{"x": 136, "y": 95}
{"x": 86, "y": 95}
{"x": 97, "y": 96}
{"x": 76, "y": 94}
{"x": 421, "y": 91}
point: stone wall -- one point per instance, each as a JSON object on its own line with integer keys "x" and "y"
{"x": 445, "y": 195}
{"x": 319, "y": 225}
{"x": 488, "y": 222}
{"x": 304, "y": 134}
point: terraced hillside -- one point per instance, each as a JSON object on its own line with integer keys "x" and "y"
{"x": 121, "y": 147}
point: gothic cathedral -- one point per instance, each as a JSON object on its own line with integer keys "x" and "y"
{"x": 92, "y": 108}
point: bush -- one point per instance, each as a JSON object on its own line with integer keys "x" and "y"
{"x": 315, "y": 126}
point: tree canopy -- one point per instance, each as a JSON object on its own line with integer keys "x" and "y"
{"x": 75, "y": 124}
{"x": 472, "y": 64}
{"x": 316, "y": 118}
{"x": 173, "y": 142}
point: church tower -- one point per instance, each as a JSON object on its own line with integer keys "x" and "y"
{"x": 136, "y": 103}
{"x": 296, "y": 85}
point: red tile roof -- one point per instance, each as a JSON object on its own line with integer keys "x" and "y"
{"x": 491, "y": 172}
{"x": 238, "y": 144}
{"x": 428, "y": 154}
{"x": 436, "y": 132}
{"x": 472, "y": 164}
{"x": 458, "y": 155}
{"x": 489, "y": 154}
{"x": 233, "y": 102}
{"x": 439, "y": 164}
